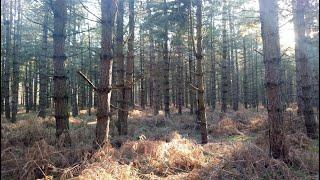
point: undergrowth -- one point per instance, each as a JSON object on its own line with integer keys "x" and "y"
{"x": 237, "y": 149}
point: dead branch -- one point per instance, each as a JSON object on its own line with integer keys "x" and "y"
{"x": 193, "y": 87}
{"x": 258, "y": 52}
{"x": 87, "y": 80}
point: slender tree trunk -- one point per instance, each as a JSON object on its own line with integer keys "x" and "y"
{"x": 95, "y": 95}
{"x": 90, "y": 76}
{"x": 213, "y": 67}
{"x": 271, "y": 55}
{"x": 224, "y": 71}
{"x": 3, "y": 51}
{"x": 74, "y": 80}
{"x": 42, "y": 66}
{"x": 103, "y": 118}
{"x": 7, "y": 23}
{"x": 166, "y": 82}
{"x": 35, "y": 84}
{"x": 191, "y": 64}
{"x": 129, "y": 93}
{"x": 151, "y": 70}
{"x": 122, "y": 115}
{"x": 142, "y": 81}
{"x": 180, "y": 82}
{"x": 245, "y": 78}
{"x": 60, "y": 94}
{"x": 158, "y": 81}
{"x": 235, "y": 105}
{"x": 201, "y": 104}
{"x": 50, "y": 84}
{"x": 30, "y": 84}
{"x": 15, "y": 62}
{"x": 232, "y": 65}
{"x": 26, "y": 87}
{"x": 186, "y": 85}
{"x": 302, "y": 59}
{"x": 74, "y": 92}
{"x": 82, "y": 90}
{"x": 256, "y": 88}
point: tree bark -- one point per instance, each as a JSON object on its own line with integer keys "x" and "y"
{"x": 271, "y": 55}
{"x": 26, "y": 88}
{"x": 235, "y": 105}
{"x": 166, "y": 83}
{"x": 90, "y": 93}
{"x": 302, "y": 61}
{"x": 74, "y": 92}
{"x": 180, "y": 82}
{"x": 7, "y": 23}
{"x": 142, "y": 81}
{"x": 224, "y": 71}
{"x": 42, "y": 66}
{"x": 191, "y": 63}
{"x": 129, "y": 93}
{"x": 245, "y": 77}
{"x": 122, "y": 115}
{"x": 213, "y": 67}
{"x": 198, "y": 53}
{"x": 15, "y": 62}
{"x": 60, "y": 94}
{"x": 103, "y": 110}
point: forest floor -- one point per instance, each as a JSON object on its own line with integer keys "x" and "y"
{"x": 237, "y": 148}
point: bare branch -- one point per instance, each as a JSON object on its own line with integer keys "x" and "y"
{"x": 87, "y": 80}
{"x": 35, "y": 22}
{"x": 89, "y": 11}
{"x": 258, "y": 52}
{"x": 193, "y": 87}
{"x": 79, "y": 32}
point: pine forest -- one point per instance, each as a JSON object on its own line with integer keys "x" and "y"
{"x": 159, "y": 89}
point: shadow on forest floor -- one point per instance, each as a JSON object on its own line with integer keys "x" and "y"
{"x": 237, "y": 148}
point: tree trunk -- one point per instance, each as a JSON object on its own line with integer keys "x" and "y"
{"x": 103, "y": 110}
{"x": 90, "y": 76}
{"x": 213, "y": 67}
{"x": 130, "y": 66}
{"x": 166, "y": 69}
{"x": 60, "y": 94}
{"x": 26, "y": 88}
{"x": 142, "y": 81}
{"x": 122, "y": 115}
{"x": 3, "y": 50}
{"x": 15, "y": 62}
{"x": 191, "y": 64}
{"x": 180, "y": 82}
{"x": 271, "y": 55}
{"x": 256, "y": 89}
{"x": 73, "y": 77}
{"x": 201, "y": 104}
{"x": 82, "y": 96}
{"x": 7, "y": 23}
{"x": 30, "y": 84}
{"x": 302, "y": 62}
{"x": 235, "y": 105}
{"x": 42, "y": 66}
{"x": 224, "y": 71}
{"x": 35, "y": 84}
{"x": 245, "y": 78}
{"x": 74, "y": 92}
